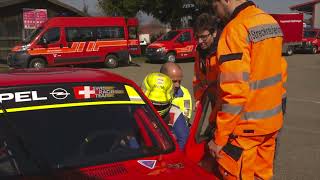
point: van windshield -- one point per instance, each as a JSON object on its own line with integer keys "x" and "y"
{"x": 310, "y": 34}
{"x": 33, "y": 35}
{"x": 169, "y": 36}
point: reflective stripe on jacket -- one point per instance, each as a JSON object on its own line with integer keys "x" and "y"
{"x": 250, "y": 75}
{"x": 183, "y": 100}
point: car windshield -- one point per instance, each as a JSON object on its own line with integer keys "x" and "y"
{"x": 33, "y": 35}
{"x": 169, "y": 36}
{"x": 310, "y": 34}
{"x": 81, "y": 131}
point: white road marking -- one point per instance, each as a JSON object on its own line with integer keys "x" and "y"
{"x": 304, "y": 100}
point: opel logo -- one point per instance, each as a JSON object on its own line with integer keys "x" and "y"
{"x": 60, "y": 93}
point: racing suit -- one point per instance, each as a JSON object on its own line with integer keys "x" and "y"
{"x": 178, "y": 125}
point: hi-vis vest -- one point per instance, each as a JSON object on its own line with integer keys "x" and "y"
{"x": 183, "y": 100}
{"x": 205, "y": 75}
{"x": 250, "y": 75}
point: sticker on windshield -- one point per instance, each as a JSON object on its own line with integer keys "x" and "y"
{"x": 91, "y": 92}
{"x": 148, "y": 163}
{"x": 28, "y": 98}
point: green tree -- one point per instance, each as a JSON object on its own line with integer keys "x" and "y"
{"x": 166, "y": 11}
{"x": 127, "y": 8}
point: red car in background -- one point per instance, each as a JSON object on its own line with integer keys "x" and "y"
{"x": 78, "y": 40}
{"x": 79, "y": 124}
{"x": 310, "y": 41}
{"x": 174, "y": 45}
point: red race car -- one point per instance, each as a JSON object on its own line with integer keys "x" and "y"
{"x": 79, "y": 124}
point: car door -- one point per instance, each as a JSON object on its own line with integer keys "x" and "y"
{"x": 49, "y": 44}
{"x": 185, "y": 45}
{"x": 201, "y": 133}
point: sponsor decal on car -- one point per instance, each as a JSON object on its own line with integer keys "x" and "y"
{"x": 18, "y": 99}
{"x": 87, "y": 92}
{"x": 150, "y": 164}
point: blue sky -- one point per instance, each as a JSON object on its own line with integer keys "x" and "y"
{"x": 270, "y": 6}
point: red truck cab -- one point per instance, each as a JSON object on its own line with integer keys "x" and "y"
{"x": 175, "y": 44}
{"x": 78, "y": 40}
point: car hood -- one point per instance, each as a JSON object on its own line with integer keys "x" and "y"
{"x": 157, "y": 45}
{"x": 156, "y": 168}
{"x": 308, "y": 39}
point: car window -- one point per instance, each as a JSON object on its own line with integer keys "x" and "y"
{"x": 52, "y": 35}
{"x": 78, "y": 34}
{"x": 310, "y": 34}
{"x": 110, "y": 33}
{"x": 169, "y": 36}
{"x": 205, "y": 129}
{"x": 82, "y": 125}
{"x": 133, "y": 32}
{"x": 185, "y": 37}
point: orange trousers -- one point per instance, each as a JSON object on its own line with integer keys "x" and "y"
{"x": 255, "y": 162}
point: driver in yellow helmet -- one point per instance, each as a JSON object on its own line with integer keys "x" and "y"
{"x": 158, "y": 88}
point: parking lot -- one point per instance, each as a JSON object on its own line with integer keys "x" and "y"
{"x": 299, "y": 153}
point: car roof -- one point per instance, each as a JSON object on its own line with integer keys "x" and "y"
{"x": 58, "y": 75}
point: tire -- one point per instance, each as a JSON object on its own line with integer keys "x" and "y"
{"x": 171, "y": 57}
{"x": 111, "y": 61}
{"x": 37, "y": 63}
{"x": 289, "y": 51}
{"x": 314, "y": 50}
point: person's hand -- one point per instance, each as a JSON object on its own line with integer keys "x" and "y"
{"x": 215, "y": 149}
{"x": 197, "y": 104}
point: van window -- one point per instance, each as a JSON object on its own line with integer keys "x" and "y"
{"x": 107, "y": 33}
{"x": 52, "y": 35}
{"x": 133, "y": 32}
{"x": 78, "y": 34}
{"x": 185, "y": 37}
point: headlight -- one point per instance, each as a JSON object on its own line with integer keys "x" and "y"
{"x": 24, "y": 47}
{"x": 163, "y": 49}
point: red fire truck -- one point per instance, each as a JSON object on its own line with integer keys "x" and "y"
{"x": 292, "y": 27}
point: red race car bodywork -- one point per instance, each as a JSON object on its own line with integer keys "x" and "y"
{"x": 69, "y": 123}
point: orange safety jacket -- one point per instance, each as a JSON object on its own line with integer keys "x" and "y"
{"x": 205, "y": 73}
{"x": 250, "y": 75}
{"x": 284, "y": 66}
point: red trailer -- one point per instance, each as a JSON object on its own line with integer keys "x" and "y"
{"x": 292, "y": 28}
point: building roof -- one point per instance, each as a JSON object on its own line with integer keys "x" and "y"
{"x": 5, "y": 3}
{"x": 306, "y": 7}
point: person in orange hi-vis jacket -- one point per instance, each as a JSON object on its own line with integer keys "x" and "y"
{"x": 250, "y": 91}
{"x": 207, "y": 30}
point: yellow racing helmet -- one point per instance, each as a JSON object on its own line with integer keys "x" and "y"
{"x": 158, "y": 88}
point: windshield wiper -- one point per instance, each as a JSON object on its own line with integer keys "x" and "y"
{"x": 12, "y": 128}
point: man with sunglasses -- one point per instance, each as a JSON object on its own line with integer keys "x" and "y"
{"x": 206, "y": 66}
{"x": 158, "y": 88}
{"x": 182, "y": 97}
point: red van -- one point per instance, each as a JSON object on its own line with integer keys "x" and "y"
{"x": 176, "y": 44}
{"x": 78, "y": 40}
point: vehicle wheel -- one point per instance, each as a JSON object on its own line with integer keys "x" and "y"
{"x": 289, "y": 51}
{"x": 314, "y": 50}
{"x": 171, "y": 57}
{"x": 111, "y": 61}
{"x": 129, "y": 60}
{"x": 37, "y": 63}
